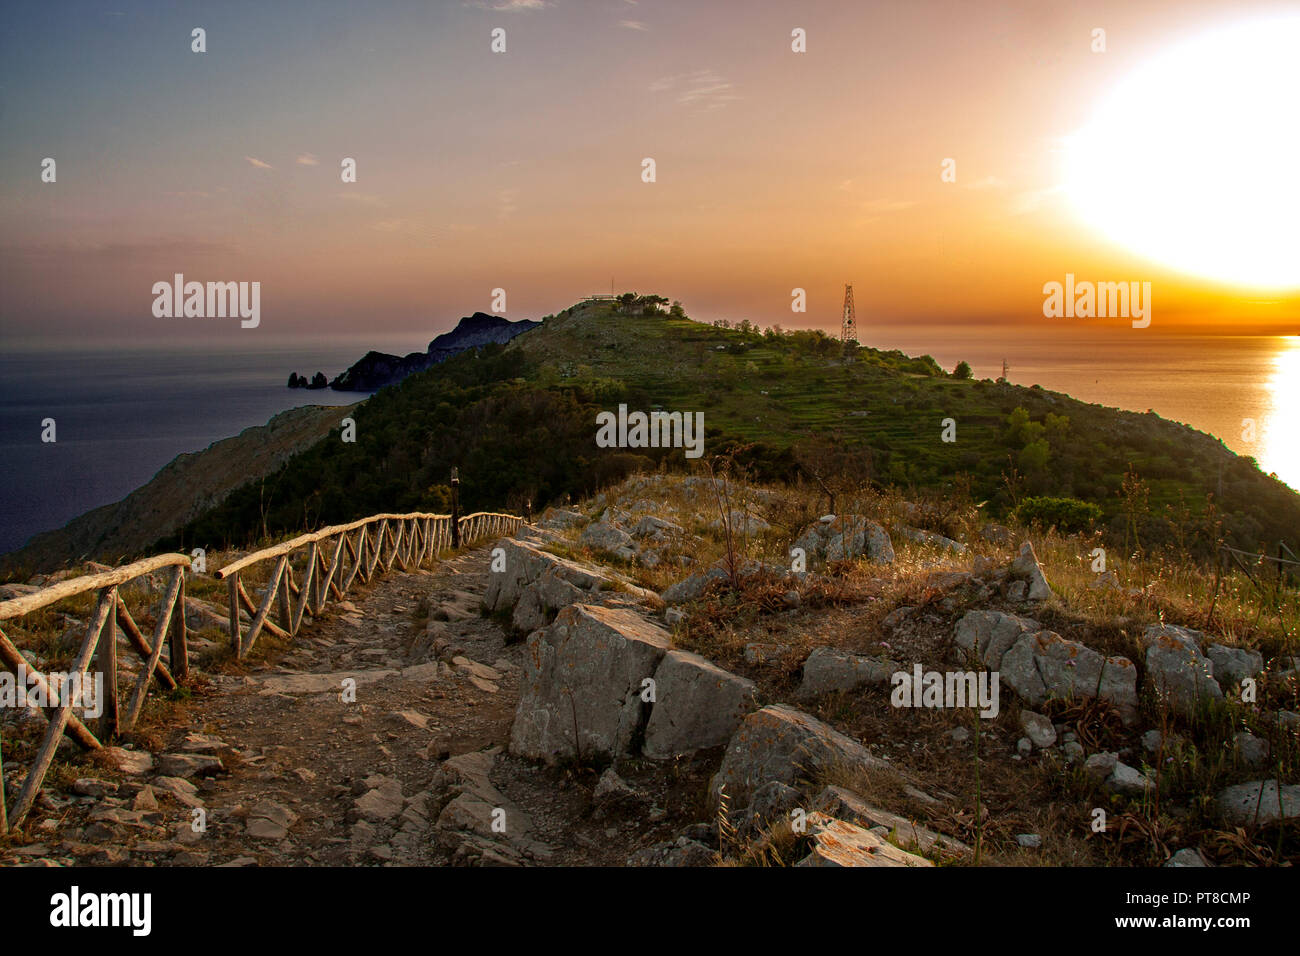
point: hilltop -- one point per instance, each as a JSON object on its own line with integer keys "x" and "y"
{"x": 519, "y": 422}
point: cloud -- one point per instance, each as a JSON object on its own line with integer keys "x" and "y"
{"x": 1033, "y": 199}
{"x": 988, "y": 182}
{"x": 704, "y": 89}
{"x": 506, "y": 206}
{"x": 258, "y": 163}
{"x": 307, "y": 159}
{"x": 369, "y": 199}
{"x": 508, "y": 6}
{"x": 887, "y": 205}
{"x": 633, "y": 25}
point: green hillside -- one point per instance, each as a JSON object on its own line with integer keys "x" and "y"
{"x": 520, "y": 424}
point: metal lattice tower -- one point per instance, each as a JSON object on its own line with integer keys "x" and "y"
{"x": 849, "y": 327}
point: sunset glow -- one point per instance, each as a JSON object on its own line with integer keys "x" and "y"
{"x": 1189, "y": 161}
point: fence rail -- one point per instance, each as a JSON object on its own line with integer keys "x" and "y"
{"x": 356, "y": 550}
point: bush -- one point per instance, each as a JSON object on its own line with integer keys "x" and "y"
{"x": 1067, "y": 514}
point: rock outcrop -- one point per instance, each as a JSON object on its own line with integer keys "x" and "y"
{"x": 377, "y": 369}
{"x": 843, "y": 537}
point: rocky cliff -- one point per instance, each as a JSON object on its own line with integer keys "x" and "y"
{"x": 377, "y": 369}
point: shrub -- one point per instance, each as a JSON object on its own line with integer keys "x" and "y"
{"x": 1067, "y": 514}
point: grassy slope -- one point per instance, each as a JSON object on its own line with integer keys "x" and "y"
{"x": 762, "y": 390}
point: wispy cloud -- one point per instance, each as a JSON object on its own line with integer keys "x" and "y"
{"x": 506, "y": 206}
{"x": 258, "y": 163}
{"x": 307, "y": 159}
{"x": 1034, "y": 199}
{"x": 369, "y": 199}
{"x": 988, "y": 182}
{"x": 703, "y": 89}
{"x": 508, "y": 6}
{"x": 887, "y": 205}
{"x": 633, "y": 25}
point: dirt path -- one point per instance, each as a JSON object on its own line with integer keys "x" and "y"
{"x": 300, "y": 750}
{"x": 377, "y": 737}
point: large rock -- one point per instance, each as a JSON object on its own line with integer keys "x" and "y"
{"x": 561, "y": 518}
{"x": 1259, "y": 802}
{"x": 1026, "y": 567}
{"x": 987, "y": 635}
{"x": 1042, "y": 666}
{"x": 848, "y": 806}
{"x": 845, "y": 537}
{"x": 836, "y": 843}
{"x": 581, "y": 689}
{"x": 697, "y": 705}
{"x": 691, "y": 587}
{"x": 604, "y": 536}
{"x": 1181, "y": 675}
{"x": 536, "y": 584}
{"x": 1232, "y": 665}
{"x": 783, "y": 744}
{"x": 929, "y": 539}
{"x": 828, "y": 669}
{"x": 656, "y": 529}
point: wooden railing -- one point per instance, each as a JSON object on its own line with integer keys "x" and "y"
{"x": 355, "y": 550}
{"x": 100, "y": 641}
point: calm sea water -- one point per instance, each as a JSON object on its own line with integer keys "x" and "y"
{"x": 1217, "y": 384}
{"x": 121, "y": 416}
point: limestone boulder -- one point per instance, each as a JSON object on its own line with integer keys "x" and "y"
{"x": 786, "y": 745}
{"x": 1026, "y": 568}
{"x": 828, "y": 669}
{"x": 987, "y": 635}
{"x": 836, "y": 843}
{"x": 1181, "y": 675}
{"x": 697, "y": 705}
{"x": 1044, "y": 666}
{"x": 581, "y": 691}
{"x": 845, "y": 537}
{"x": 1232, "y": 665}
{"x": 1259, "y": 802}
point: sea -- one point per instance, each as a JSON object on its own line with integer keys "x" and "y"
{"x": 121, "y": 415}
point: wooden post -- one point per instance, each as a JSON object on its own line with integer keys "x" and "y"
{"x": 232, "y": 585}
{"x": 94, "y": 638}
{"x": 284, "y": 595}
{"x": 180, "y": 643}
{"x": 107, "y": 664}
{"x": 455, "y": 507}
{"x": 4, "y": 813}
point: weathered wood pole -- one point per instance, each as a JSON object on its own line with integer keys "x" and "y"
{"x": 107, "y": 664}
{"x": 180, "y": 642}
{"x": 455, "y": 507}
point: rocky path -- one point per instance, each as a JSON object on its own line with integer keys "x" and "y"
{"x": 332, "y": 749}
{"x": 378, "y": 737}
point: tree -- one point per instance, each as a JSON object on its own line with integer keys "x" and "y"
{"x": 962, "y": 370}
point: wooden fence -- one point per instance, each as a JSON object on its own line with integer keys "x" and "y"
{"x": 357, "y": 550}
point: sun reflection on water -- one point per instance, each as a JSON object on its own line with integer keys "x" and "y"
{"x": 1281, "y": 433}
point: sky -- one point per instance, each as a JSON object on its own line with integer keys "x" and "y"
{"x": 522, "y": 170}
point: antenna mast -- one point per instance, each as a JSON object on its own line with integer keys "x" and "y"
{"x": 849, "y": 325}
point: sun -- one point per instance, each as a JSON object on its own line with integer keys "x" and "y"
{"x": 1193, "y": 160}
